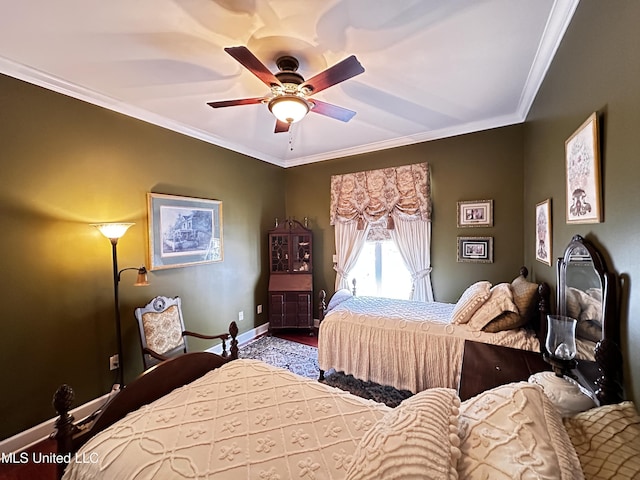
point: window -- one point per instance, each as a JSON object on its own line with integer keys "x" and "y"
{"x": 381, "y": 271}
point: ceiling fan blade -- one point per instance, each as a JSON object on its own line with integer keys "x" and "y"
{"x": 330, "y": 110}
{"x": 255, "y": 66}
{"x": 233, "y": 103}
{"x": 344, "y": 70}
{"x": 281, "y": 126}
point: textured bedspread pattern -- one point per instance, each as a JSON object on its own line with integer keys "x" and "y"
{"x": 245, "y": 420}
{"x": 409, "y": 345}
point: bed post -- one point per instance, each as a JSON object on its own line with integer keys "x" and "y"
{"x": 233, "y": 331}
{"x": 65, "y": 428}
{"x": 322, "y": 304}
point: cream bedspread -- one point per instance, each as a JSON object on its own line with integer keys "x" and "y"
{"x": 245, "y": 420}
{"x": 405, "y": 344}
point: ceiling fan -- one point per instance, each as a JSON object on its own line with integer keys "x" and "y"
{"x": 289, "y": 100}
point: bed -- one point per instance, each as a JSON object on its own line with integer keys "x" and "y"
{"x": 416, "y": 345}
{"x": 247, "y": 419}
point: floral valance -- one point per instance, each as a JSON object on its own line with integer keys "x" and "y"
{"x": 370, "y": 195}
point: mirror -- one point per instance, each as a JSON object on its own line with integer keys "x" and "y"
{"x": 586, "y": 291}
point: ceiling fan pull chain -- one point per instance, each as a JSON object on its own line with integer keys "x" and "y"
{"x": 291, "y": 138}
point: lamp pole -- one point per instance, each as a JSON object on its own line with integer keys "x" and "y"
{"x": 116, "y": 302}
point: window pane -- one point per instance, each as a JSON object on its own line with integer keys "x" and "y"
{"x": 381, "y": 271}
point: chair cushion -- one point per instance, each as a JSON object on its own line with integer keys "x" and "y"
{"x": 163, "y": 330}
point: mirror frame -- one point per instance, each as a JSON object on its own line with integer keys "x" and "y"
{"x": 604, "y": 376}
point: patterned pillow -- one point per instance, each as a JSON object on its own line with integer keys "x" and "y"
{"x": 470, "y": 301}
{"x": 607, "y": 440}
{"x": 525, "y": 295}
{"x": 514, "y": 431}
{"x": 500, "y": 301}
{"x": 417, "y": 439}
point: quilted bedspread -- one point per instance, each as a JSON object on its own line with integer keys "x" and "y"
{"x": 406, "y": 344}
{"x": 245, "y": 420}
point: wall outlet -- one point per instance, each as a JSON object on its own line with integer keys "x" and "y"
{"x": 240, "y": 316}
{"x": 259, "y": 309}
{"x": 114, "y": 362}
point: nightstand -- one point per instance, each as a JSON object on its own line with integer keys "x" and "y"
{"x": 486, "y": 366}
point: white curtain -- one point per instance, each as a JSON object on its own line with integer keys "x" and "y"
{"x": 413, "y": 237}
{"x": 349, "y": 244}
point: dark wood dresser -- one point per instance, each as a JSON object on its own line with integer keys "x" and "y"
{"x": 487, "y": 366}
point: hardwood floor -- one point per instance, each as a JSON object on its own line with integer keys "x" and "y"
{"x": 47, "y": 471}
{"x": 34, "y": 468}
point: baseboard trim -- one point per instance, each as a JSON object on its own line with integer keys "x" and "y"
{"x": 243, "y": 337}
{"x": 38, "y": 433}
{"x": 28, "y": 438}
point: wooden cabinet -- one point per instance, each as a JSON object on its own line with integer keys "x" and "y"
{"x": 291, "y": 276}
{"x": 486, "y": 366}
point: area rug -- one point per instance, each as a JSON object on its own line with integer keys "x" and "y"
{"x": 295, "y": 357}
{"x": 303, "y": 360}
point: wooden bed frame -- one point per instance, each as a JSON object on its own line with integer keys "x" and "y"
{"x": 148, "y": 387}
{"x": 538, "y": 323}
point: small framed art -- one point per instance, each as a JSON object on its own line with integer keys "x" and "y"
{"x": 477, "y": 213}
{"x": 475, "y": 249}
{"x": 582, "y": 152}
{"x": 543, "y": 232}
{"x": 183, "y": 231}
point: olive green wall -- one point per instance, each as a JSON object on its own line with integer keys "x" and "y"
{"x": 66, "y": 164}
{"x": 596, "y": 68}
{"x": 484, "y": 165}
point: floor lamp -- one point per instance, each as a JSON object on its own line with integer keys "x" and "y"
{"x": 113, "y": 231}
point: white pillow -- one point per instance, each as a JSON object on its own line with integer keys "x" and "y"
{"x": 607, "y": 440}
{"x": 514, "y": 431}
{"x": 500, "y": 301}
{"x": 470, "y": 301}
{"x": 338, "y": 297}
{"x": 418, "y": 439}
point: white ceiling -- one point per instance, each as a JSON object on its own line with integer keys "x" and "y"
{"x": 433, "y": 68}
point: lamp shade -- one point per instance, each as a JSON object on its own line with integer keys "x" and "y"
{"x": 113, "y": 230}
{"x": 289, "y": 108}
{"x": 142, "y": 280}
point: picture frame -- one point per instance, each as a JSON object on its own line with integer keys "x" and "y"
{"x": 183, "y": 231}
{"x": 582, "y": 157}
{"x": 475, "y": 249}
{"x": 544, "y": 250}
{"x": 475, "y": 213}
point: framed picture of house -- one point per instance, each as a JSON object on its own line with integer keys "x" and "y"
{"x": 183, "y": 231}
{"x": 475, "y": 249}
{"x": 543, "y": 232}
{"x": 582, "y": 152}
{"x": 476, "y": 213}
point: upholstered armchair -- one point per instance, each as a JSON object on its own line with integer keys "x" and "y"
{"x": 162, "y": 331}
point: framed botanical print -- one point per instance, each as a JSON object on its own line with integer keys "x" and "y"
{"x": 183, "y": 231}
{"x": 476, "y": 213}
{"x": 475, "y": 249}
{"x": 582, "y": 152}
{"x": 543, "y": 232}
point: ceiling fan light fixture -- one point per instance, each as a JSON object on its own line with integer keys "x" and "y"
{"x": 289, "y": 108}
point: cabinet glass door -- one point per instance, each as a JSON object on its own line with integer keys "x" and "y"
{"x": 301, "y": 250}
{"x": 279, "y": 253}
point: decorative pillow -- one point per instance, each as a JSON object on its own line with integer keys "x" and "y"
{"x": 417, "y": 439}
{"x": 525, "y": 296}
{"x": 339, "y": 297}
{"x": 470, "y": 301}
{"x": 505, "y": 321}
{"x": 500, "y": 301}
{"x": 514, "y": 431}
{"x": 607, "y": 440}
